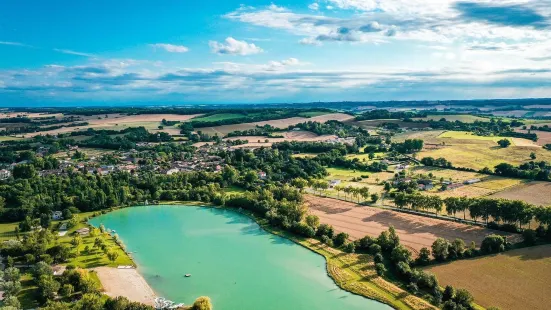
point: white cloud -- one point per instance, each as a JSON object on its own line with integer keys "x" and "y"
{"x": 234, "y": 47}
{"x": 14, "y": 44}
{"x": 171, "y": 47}
{"x": 71, "y": 52}
{"x": 314, "y": 6}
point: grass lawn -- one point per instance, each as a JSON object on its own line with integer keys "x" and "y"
{"x": 217, "y": 117}
{"x": 27, "y": 295}
{"x": 304, "y": 155}
{"x": 312, "y": 113}
{"x": 234, "y": 190}
{"x": 94, "y": 257}
{"x": 7, "y": 231}
{"x": 364, "y": 157}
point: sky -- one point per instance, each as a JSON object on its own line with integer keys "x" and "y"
{"x": 225, "y": 51}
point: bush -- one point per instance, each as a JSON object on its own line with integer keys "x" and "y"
{"x": 449, "y": 293}
{"x": 378, "y": 258}
{"x": 463, "y": 297}
{"x": 303, "y": 229}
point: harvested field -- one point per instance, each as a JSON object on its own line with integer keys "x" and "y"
{"x": 281, "y": 123}
{"x": 544, "y": 137}
{"x": 517, "y": 279}
{"x": 537, "y": 193}
{"x": 149, "y": 121}
{"x": 463, "y": 191}
{"x": 447, "y": 174}
{"x": 29, "y": 115}
{"x": 415, "y": 231}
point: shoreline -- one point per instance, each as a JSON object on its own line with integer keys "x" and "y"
{"x": 128, "y": 283}
{"x": 347, "y": 280}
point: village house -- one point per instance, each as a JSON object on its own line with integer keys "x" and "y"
{"x": 262, "y": 175}
{"x": 472, "y": 181}
{"x": 4, "y": 174}
{"x": 57, "y": 215}
{"x": 334, "y": 183}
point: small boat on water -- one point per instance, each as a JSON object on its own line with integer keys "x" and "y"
{"x": 188, "y": 275}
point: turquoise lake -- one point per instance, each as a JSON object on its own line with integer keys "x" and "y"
{"x": 231, "y": 260}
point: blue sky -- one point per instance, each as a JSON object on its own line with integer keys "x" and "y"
{"x": 85, "y": 52}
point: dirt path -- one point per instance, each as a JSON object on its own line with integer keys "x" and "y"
{"x": 126, "y": 282}
{"x": 415, "y": 231}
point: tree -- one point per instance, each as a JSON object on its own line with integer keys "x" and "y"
{"x": 325, "y": 230}
{"x": 340, "y": 239}
{"x": 350, "y": 247}
{"x": 47, "y": 287}
{"x": 66, "y": 290}
{"x": 504, "y": 143}
{"x": 11, "y": 301}
{"x": 440, "y": 249}
{"x": 89, "y": 302}
{"x": 380, "y": 268}
{"x": 449, "y": 293}
{"x": 312, "y": 221}
{"x": 374, "y": 197}
{"x": 112, "y": 255}
{"x": 299, "y": 183}
{"x": 463, "y": 297}
{"x": 533, "y": 156}
{"x": 202, "y": 303}
{"x": 493, "y": 244}
{"x": 424, "y": 256}
{"x": 401, "y": 254}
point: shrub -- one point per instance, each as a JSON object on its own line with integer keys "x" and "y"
{"x": 424, "y": 257}
{"x": 449, "y": 293}
{"x": 378, "y": 258}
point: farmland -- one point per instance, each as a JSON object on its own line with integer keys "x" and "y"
{"x": 537, "y": 193}
{"x": 465, "y": 118}
{"x": 518, "y": 279}
{"x": 217, "y": 117}
{"x": 470, "y": 151}
{"x": 119, "y": 122}
{"x": 281, "y": 123}
{"x": 415, "y": 231}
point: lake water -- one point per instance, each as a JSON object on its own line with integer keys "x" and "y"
{"x": 231, "y": 260}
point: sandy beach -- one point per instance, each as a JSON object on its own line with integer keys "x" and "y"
{"x": 125, "y": 282}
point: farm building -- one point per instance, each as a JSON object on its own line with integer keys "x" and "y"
{"x": 472, "y": 181}
{"x": 334, "y": 183}
{"x": 4, "y": 174}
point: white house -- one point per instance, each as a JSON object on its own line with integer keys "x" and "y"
{"x": 262, "y": 175}
{"x": 334, "y": 183}
{"x": 472, "y": 181}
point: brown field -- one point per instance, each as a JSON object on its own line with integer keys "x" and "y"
{"x": 120, "y": 122}
{"x": 281, "y": 123}
{"x": 537, "y": 193}
{"x": 463, "y": 191}
{"x": 544, "y": 137}
{"x": 415, "y": 231}
{"x": 517, "y": 279}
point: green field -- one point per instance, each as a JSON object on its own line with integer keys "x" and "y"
{"x": 217, "y": 117}
{"x": 8, "y": 138}
{"x": 312, "y": 114}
